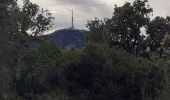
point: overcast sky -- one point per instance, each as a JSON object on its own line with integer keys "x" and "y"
{"x": 89, "y": 9}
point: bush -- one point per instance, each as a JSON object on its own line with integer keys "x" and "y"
{"x": 103, "y": 73}
{"x": 96, "y": 72}
{"x": 37, "y": 71}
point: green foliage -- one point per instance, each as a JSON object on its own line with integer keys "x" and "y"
{"x": 125, "y": 29}
{"x": 96, "y": 72}
{"x": 14, "y": 24}
{"x": 166, "y": 90}
{"x": 15, "y": 21}
{"x": 96, "y": 28}
{"x": 35, "y": 19}
{"x": 113, "y": 74}
{"x": 156, "y": 30}
{"x": 38, "y": 71}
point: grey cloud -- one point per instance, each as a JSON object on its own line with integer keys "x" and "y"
{"x": 88, "y": 6}
{"x": 88, "y": 9}
{"x": 84, "y": 10}
{"x": 160, "y": 7}
{"x": 82, "y": 3}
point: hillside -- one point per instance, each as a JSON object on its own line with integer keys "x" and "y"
{"x": 66, "y": 38}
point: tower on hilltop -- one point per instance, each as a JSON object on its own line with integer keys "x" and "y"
{"x": 72, "y": 21}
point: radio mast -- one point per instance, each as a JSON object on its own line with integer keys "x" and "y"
{"x": 72, "y": 27}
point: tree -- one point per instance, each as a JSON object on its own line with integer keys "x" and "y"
{"x": 125, "y": 29}
{"x": 96, "y": 31}
{"x": 127, "y": 22}
{"x": 14, "y": 26}
{"x": 37, "y": 71}
{"x": 104, "y": 73}
{"x": 15, "y": 22}
{"x": 34, "y": 19}
{"x": 156, "y": 31}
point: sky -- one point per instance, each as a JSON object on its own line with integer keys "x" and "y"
{"x": 85, "y": 10}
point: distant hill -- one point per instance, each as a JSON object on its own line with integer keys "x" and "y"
{"x": 67, "y": 38}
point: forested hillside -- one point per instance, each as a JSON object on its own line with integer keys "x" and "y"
{"x": 68, "y": 38}
{"x": 120, "y": 60}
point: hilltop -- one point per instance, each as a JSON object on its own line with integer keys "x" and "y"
{"x": 65, "y": 38}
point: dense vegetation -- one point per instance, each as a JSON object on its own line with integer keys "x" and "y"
{"x": 119, "y": 62}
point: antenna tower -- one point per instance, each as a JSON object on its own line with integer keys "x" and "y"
{"x": 72, "y": 27}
